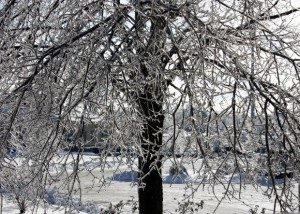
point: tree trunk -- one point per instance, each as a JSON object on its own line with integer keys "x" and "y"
{"x": 150, "y": 181}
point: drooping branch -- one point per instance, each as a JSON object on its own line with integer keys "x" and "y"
{"x": 54, "y": 51}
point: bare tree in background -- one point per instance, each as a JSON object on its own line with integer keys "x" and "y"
{"x": 126, "y": 67}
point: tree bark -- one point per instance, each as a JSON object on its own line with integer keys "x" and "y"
{"x": 150, "y": 181}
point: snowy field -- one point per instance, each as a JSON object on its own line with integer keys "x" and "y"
{"x": 120, "y": 186}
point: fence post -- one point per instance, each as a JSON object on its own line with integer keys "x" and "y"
{"x": 299, "y": 197}
{"x": 1, "y": 205}
{"x": 1, "y": 199}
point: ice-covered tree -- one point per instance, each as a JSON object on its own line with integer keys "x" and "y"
{"x": 126, "y": 67}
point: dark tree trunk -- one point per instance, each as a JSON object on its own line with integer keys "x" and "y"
{"x": 150, "y": 101}
{"x": 150, "y": 181}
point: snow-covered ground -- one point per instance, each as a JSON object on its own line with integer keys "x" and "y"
{"x": 121, "y": 186}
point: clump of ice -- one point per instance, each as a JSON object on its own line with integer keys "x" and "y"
{"x": 53, "y": 197}
{"x": 177, "y": 175}
{"x": 126, "y": 176}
